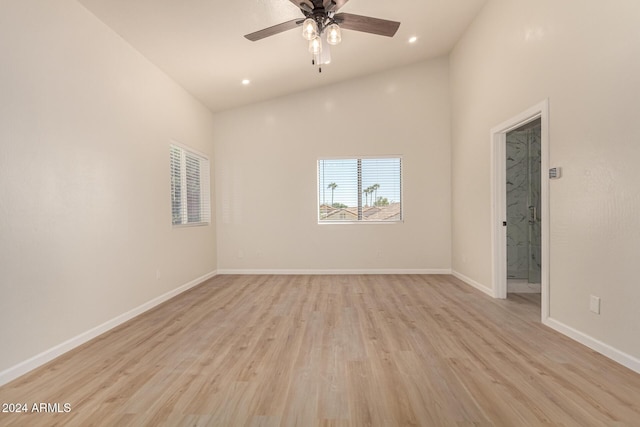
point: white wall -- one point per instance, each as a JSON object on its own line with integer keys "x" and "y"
{"x": 584, "y": 55}
{"x": 266, "y": 174}
{"x": 85, "y": 217}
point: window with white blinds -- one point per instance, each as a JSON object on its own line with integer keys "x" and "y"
{"x": 360, "y": 190}
{"x": 190, "y": 195}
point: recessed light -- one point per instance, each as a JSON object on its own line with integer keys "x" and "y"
{"x": 413, "y": 39}
{"x": 246, "y": 82}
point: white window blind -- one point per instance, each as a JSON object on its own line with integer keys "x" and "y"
{"x": 190, "y": 194}
{"x": 361, "y": 189}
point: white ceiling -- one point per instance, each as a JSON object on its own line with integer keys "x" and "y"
{"x": 200, "y": 43}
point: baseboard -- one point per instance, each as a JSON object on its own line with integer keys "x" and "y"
{"x": 605, "y": 349}
{"x": 333, "y": 272}
{"x": 471, "y": 282}
{"x": 46, "y": 356}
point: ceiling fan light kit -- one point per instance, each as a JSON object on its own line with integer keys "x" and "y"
{"x": 321, "y": 18}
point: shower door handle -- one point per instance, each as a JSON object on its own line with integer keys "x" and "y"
{"x": 533, "y": 214}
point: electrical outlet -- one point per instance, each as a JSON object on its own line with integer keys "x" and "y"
{"x": 158, "y": 275}
{"x": 594, "y": 304}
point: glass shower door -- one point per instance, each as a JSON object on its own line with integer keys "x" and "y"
{"x": 535, "y": 230}
{"x": 523, "y": 185}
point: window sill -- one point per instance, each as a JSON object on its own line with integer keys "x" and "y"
{"x": 192, "y": 224}
{"x": 359, "y": 222}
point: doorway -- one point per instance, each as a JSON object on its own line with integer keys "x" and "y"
{"x": 524, "y": 232}
{"x": 527, "y": 257}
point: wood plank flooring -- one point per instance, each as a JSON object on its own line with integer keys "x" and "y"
{"x": 403, "y": 350}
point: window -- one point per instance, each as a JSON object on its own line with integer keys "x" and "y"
{"x": 360, "y": 190}
{"x": 190, "y": 199}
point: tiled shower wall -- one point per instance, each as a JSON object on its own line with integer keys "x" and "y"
{"x": 523, "y": 203}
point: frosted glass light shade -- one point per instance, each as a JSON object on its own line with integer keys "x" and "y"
{"x": 334, "y": 35}
{"x": 309, "y": 29}
{"x": 315, "y": 46}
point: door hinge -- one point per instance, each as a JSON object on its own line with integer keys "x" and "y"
{"x": 504, "y": 223}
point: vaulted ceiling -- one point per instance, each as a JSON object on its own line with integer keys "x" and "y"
{"x": 200, "y": 43}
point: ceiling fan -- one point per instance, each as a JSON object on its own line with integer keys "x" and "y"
{"x": 320, "y": 18}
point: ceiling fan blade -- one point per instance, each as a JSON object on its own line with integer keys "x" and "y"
{"x": 305, "y": 5}
{"x": 285, "y": 26}
{"x": 382, "y": 27}
{"x": 333, "y": 5}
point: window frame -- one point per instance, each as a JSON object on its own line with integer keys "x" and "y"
{"x": 204, "y": 186}
{"x": 319, "y": 203}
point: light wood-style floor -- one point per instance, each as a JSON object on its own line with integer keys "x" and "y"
{"x": 332, "y": 351}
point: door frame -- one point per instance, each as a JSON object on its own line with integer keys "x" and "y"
{"x": 499, "y": 200}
